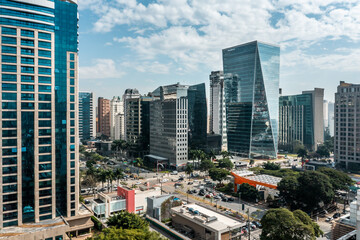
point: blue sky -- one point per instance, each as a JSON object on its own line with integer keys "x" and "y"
{"x": 144, "y": 44}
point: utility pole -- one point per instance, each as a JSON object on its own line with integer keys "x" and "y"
{"x": 248, "y": 212}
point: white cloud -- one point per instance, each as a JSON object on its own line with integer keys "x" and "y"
{"x": 101, "y": 69}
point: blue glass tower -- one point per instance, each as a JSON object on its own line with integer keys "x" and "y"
{"x": 39, "y": 112}
{"x": 251, "y": 86}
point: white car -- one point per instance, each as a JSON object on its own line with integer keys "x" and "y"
{"x": 138, "y": 183}
{"x": 164, "y": 180}
{"x": 174, "y": 172}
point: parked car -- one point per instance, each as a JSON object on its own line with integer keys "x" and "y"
{"x": 190, "y": 183}
{"x": 174, "y": 172}
{"x": 258, "y": 224}
{"x": 201, "y": 193}
{"x": 181, "y": 179}
{"x": 164, "y": 180}
{"x": 217, "y": 197}
{"x": 329, "y": 219}
{"x": 138, "y": 183}
{"x": 224, "y": 199}
{"x": 336, "y": 215}
{"x": 231, "y": 199}
{"x": 189, "y": 191}
{"x": 194, "y": 191}
{"x": 87, "y": 201}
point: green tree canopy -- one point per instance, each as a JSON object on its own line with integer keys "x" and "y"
{"x": 271, "y": 166}
{"x": 282, "y": 224}
{"x": 126, "y": 234}
{"x": 323, "y": 151}
{"x": 339, "y": 180}
{"x": 206, "y": 164}
{"x": 248, "y": 192}
{"x": 189, "y": 169}
{"x": 226, "y": 163}
{"x": 126, "y": 220}
{"x": 302, "y": 153}
{"x": 218, "y": 174}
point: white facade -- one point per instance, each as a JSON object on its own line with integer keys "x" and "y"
{"x": 331, "y": 117}
{"x": 119, "y": 127}
{"x": 116, "y": 107}
{"x": 326, "y": 114}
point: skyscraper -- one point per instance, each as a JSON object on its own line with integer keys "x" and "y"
{"x": 87, "y": 122}
{"x": 331, "y": 118}
{"x": 297, "y": 119}
{"x": 217, "y": 106}
{"x": 347, "y": 126}
{"x": 251, "y": 86}
{"x": 116, "y": 107}
{"x": 39, "y": 135}
{"x": 177, "y": 122}
{"x": 103, "y": 117}
{"x": 129, "y": 93}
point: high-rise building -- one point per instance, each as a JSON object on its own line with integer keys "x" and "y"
{"x": 39, "y": 135}
{"x": 137, "y": 118}
{"x": 177, "y": 121}
{"x": 326, "y": 115}
{"x": 217, "y": 115}
{"x": 87, "y": 121}
{"x": 129, "y": 93}
{"x": 119, "y": 127}
{"x": 251, "y": 87}
{"x": 103, "y": 117}
{"x": 331, "y": 118}
{"x": 347, "y": 126}
{"x": 297, "y": 119}
{"x": 116, "y": 107}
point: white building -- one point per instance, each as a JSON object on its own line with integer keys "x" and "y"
{"x": 119, "y": 127}
{"x": 116, "y": 107}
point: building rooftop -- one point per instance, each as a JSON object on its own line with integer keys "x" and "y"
{"x": 265, "y": 179}
{"x": 31, "y": 228}
{"x": 244, "y": 173}
{"x": 207, "y": 217}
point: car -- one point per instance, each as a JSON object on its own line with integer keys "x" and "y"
{"x": 253, "y": 226}
{"x": 83, "y": 191}
{"x": 336, "y": 215}
{"x": 181, "y": 179}
{"x": 164, "y": 180}
{"x": 329, "y": 219}
{"x": 225, "y": 199}
{"x": 217, "y": 197}
{"x": 231, "y": 199}
{"x": 209, "y": 195}
{"x": 258, "y": 224}
{"x": 87, "y": 201}
{"x": 190, "y": 183}
{"x": 201, "y": 194}
{"x": 189, "y": 191}
{"x": 228, "y": 212}
{"x": 245, "y": 230}
{"x": 138, "y": 183}
{"x": 174, "y": 172}
{"x": 194, "y": 191}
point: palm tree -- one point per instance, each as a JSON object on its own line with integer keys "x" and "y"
{"x": 118, "y": 174}
{"x": 212, "y": 155}
{"x": 109, "y": 178}
{"x": 189, "y": 169}
{"x": 225, "y": 154}
{"x": 198, "y": 155}
{"x": 302, "y": 153}
{"x": 102, "y": 176}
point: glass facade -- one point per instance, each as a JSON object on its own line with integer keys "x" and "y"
{"x": 86, "y": 116}
{"x": 35, "y": 85}
{"x": 251, "y": 87}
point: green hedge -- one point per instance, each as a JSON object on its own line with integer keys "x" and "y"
{"x": 97, "y": 224}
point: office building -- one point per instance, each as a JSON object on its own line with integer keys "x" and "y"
{"x": 301, "y": 119}
{"x": 217, "y": 113}
{"x": 331, "y": 118}
{"x": 119, "y": 127}
{"x": 202, "y": 223}
{"x": 87, "y": 115}
{"x": 137, "y": 121}
{"x": 177, "y": 121}
{"x": 39, "y": 136}
{"x": 116, "y": 107}
{"x": 103, "y": 117}
{"x": 326, "y": 115}
{"x": 251, "y": 88}
{"x": 347, "y": 126}
{"x": 128, "y": 94}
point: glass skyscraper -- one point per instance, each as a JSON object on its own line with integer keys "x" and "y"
{"x": 87, "y": 115}
{"x": 39, "y": 110}
{"x": 251, "y": 86}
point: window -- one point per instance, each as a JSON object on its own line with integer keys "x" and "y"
{"x": 27, "y": 33}
{"x": 27, "y": 69}
{"x": 44, "y": 123}
{"x": 27, "y": 97}
{"x": 9, "y": 133}
{"x": 8, "y": 59}
{"x": 72, "y": 56}
{"x": 44, "y": 114}
{"x": 9, "y": 105}
{"x": 9, "y": 124}
{"x": 45, "y": 184}
{"x": 44, "y": 62}
{"x": 45, "y": 201}
{"x": 9, "y": 77}
{"x": 72, "y": 81}
{"x": 72, "y": 65}
{"x": 27, "y": 51}
{"x": 26, "y": 60}
{"x": 10, "y": 188}
{"x": 44, "y": 79}
{"x": 43, "y": 44}
{"x": 44, "y": 193}
{"x": 45, "y": 158}
{"x": 9, "y": 87}
{"x": 44, "y": 175}
{"x": 44, "y": 97}
{"x": 26, "y": 78}
{"x": 9, "y": 96}
{"x": 27, "y": 105}
{"x": 45, "y": 106}
{"x": 46, "y": 36}
{"x": 27, "y": 42}
{"x": 72, "y": 98}
{"x": 8, "y": 49}
{"x": 9, "y": 114}
{"x": 44, "y": 132}
{"x": 44, "y": 53}
{"x": 9, "y": 142}
{"x": 27, "y": 87}
{"x": 8, "y": 40}
{"x": 8, "y": 31}
{"x": 45, "y": 71}
{"x": 72, "y": 73}
{"x": 44, "y": 141}
{"x": 44, "y": 88}
{"x": 9, "y": 68}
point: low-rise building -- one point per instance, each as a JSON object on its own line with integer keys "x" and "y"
{"x": 154, "y": 205}
{"x": 105, "y": 205}
{"x": 202, "y": 223}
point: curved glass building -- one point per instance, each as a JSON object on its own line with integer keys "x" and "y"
{"x": 39, "y": 110}
{"x": 251, "y": 87}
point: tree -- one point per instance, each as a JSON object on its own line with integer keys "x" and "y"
{"x": 212, "y": 155}
{"x": 126, "y": 220}
{"x": 109, "y": 178}
{"x": 296, "y": 146}
{"x": 118, "y": 174}
{"x": 271, "y": 166}
{"x": 252, "y": 161}
{"x": 139, "y": 162}
{"x": 126, "y": 234}
{"x": 248, "y": 192}
{"x": 288, "y": 188}
{"x": 282, "y": 224}
{"x": 89, "y": 181}
{"x": 206, "y": 164}
{"x": 323, "y": 151}
{"x": 225, "y": 154}
{"x": 189, "y": 169}
{"x": 198, "y": 155}
{"x": 226, "y": 163}
{"x": 101, "y": 176}
{"x": 339, "y": 180}
{"x": 90, "y": 163}
{"x": 218, "y": 174}
{"x": 302, "y": 153}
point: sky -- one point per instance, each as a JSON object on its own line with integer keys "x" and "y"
{"x": 144, "y": 44}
